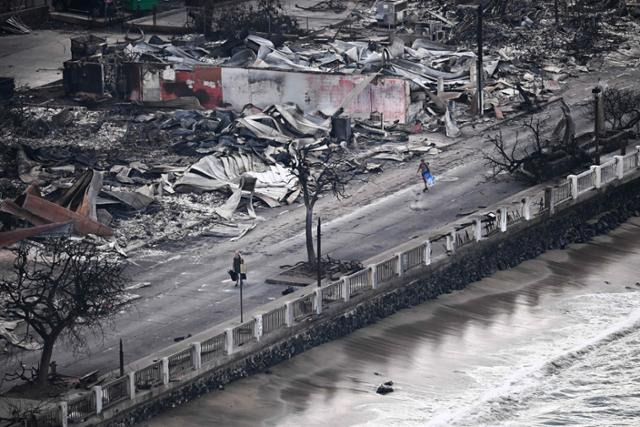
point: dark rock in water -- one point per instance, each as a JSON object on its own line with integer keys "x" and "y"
{"x": 384, "y": 388}
{"x": 389, "y": 383}
{"x": 376, "y": 373}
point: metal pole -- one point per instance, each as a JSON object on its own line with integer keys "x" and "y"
{"x": 121, "y": 359}
{"x": 241, "y": 310}
{"x": 596, "y": 99}
{"x": 557, "y": 13}
{"x": 479, "y": 72}
{"x": 319, "y": 238}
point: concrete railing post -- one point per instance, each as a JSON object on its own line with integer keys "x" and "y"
{"x": 64, "y": 414}
{"x": 196, "y": 360}
{"x": 477, "y": 229}
{"x": 399, "y": 261}
{"x": 619, "y": 166}
{"x": 318, "y": 300}
{"x": 597, "y": 178}
{"x": 526, "y": 208}
{"x": 165, "y": 370}
{"x": 373, "y": 268}
{"x": 451, "y": 242}
{"x": 502, "y": 219}
{"x": 574, "y": 186}
{"x": 638, "y": 155}
{"x": 288, "y": 314}
{"x": 132, "y": 385}
{"x": 427, "y": 252}
{"x": 257, "y": 326}
{"x": 228, "y": 336}
{"x": 97, "y": 390}
{"x": 345, "y": 290}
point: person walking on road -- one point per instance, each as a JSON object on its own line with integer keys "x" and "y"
{"x": 237, "y": 268}
{"x": 424, "y": 170}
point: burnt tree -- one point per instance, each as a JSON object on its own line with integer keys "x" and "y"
{"x": 621, "y": 108}
{"x": 318, "y": 171}
{"x": 62, "y": 288}
{"x": 535, "y": 158}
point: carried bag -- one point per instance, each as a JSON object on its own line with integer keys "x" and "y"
{"x": 233, "y": 275}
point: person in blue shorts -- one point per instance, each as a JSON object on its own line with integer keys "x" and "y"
{"x": 424, "y": 170}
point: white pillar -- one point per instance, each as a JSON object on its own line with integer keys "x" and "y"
{"x": 477, "y": 229}
{"x": 597, "y": 180}
{"x": 318, "y": 300}
{"x": 288, "y": 314}
{"x": 257, "y": 328}
{"x": 451, "y": 241}
{"x": 196, "y": 360}
{"x": 374, "y": 283}
{"x": 619, "y": 166}
{"x": 427, "y": 252}
{"x": 345, "y": 289}
{"x": 574, "y": 186}
{"x": 526, "y": 208}
{"x": 502, "y": 219}
{"x": 132, "y": 385}
{"x": 399, "y": 260}
{"x": 638, "y": 155}
{"x": 64, "y": 413}
{"x": 165, "y": 370}
{"x": 97, "y": 390}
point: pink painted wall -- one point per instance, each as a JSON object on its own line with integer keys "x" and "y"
{"x": 215, "y": 86}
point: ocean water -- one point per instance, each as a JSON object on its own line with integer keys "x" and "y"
{"x": 555, "y": 341}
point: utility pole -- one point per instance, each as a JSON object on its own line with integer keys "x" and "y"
{"x": 596, "y": 127}
{"x": 121, "y": 359}
{"x": 319, "y": 238}
{"x": 480, "y": 71}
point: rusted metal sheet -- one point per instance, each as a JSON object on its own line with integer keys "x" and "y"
{"x": 55, "y": 213}
{"x": 10, "y": 237}
{"x": 12, "y": 208}
{"x": 311, "y": 91}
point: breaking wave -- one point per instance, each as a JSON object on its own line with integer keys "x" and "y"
{"x": 518, "y": 390}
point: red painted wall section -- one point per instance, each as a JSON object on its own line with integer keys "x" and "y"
{"x": 204, "y": 83}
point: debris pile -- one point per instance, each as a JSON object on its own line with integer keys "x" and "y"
{"x": 97, "y": 173}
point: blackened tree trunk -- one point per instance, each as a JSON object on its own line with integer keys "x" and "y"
{"x": 45, "y": 360}
{"x": 311, "y": 254}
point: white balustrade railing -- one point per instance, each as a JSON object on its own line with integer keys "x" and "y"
{"x": 303, "y": 307}
{"x": 562, "y": 193}
{"x": 413, "y": 258}
{"x": 180, "y": 363}
{"x": 273, "y": 320}
{"x": 358, "y": 281}
{"x": 331, "y": 294}
{"x": 386, "y": 270}
{"x": 213, "y": 348}
{"x": 607, "y": 172}
{"x": 586, "y": 181}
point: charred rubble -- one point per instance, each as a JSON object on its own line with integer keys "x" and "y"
{"x": 168, "y": 127}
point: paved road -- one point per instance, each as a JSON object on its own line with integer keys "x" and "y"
{"x": 190, "y": 290}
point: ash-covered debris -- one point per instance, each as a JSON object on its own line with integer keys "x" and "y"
{"x": 174, "y": 124}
